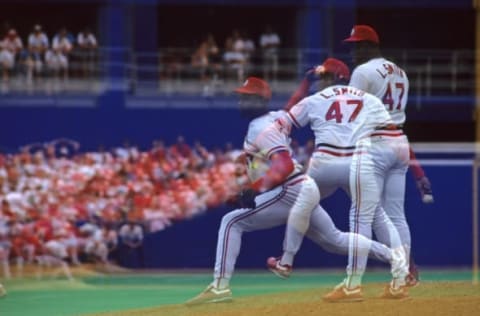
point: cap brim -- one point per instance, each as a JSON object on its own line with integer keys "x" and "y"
{"x": 352, "y": 39}
{"x": 244, "y": 90}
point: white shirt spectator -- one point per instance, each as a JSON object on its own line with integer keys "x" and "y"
{"x": 269, "y": 41}
{"x": 131, "y": 234}
{"x": 38, "y": 42}
{"x": 62, "y": 43}
{"x": 239, "y": 45}
{"x": 86, "y": 40}
{"x": 56, "y": 60}
{"x": 234, "y": 59}
{"x": 9, "y": 47}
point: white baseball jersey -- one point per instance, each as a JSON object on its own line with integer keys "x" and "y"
{"x": 266, "y": 135}
{"x": 340, "y": 115}
{"x": 385, "y": 80}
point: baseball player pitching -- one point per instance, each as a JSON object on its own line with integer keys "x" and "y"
{"x": 386, "y": 80}
{"x": 357, "y": 146}
{"x": 276, "y": 183}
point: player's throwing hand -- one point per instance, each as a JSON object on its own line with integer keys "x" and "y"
{"x": 425, "y": 188}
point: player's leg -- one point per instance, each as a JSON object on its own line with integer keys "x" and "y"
{"x": 330, "y": 173}
{"x": 298, "y": 222}
{"x": 393, "y": 203}
{"x": 4, "y": 257}
{"x": 397, "y": 153}
{"x": 324, "y": 173}
{"x": 394, "y": 206}
{"x": 323, "y": 232}
{"x": 271, "y": 210}
{"x": 3, "y": 292}
{"x": 365, "y": 188}
{"x": 384, "y": 229}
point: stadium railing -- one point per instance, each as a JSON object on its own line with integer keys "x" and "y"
{"x": 169, "y": 71}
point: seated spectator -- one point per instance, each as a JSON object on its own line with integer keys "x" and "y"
{"x": 234, "y": 61}
{"x": 37, "y": 46}
{"x": 181, "y": 147}
{"x": 57, "y": 57}
{"x": 87, "y": 50}
{"x": 206, "y": 61}
{"x": 131, "y": 236}
{"x": 269, "y": 43}
{"x": 9, "y": 49}
{"x": 248, "y": 51}
{"x": 214, "y": 57}
{"x": 199, "y": 60}
{"x": 63, "y": 41}
{"x": 54, "y": 253}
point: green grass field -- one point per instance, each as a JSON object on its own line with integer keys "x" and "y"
{"x": 97, "y": 293}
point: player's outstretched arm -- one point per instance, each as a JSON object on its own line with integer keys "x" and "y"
{"x": 302, "y": 90}
{"x": 423, "y": 184}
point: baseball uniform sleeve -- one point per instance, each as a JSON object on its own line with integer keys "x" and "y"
{"x": 272, "y": 140}
{"x": 359, "y": 79}
{"x": 298, "y": 114}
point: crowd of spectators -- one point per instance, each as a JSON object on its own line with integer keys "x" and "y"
{"x": 43, "y": 56}
{"x": 234, "y": 61}
{"x": 62, "y": 205}
{"x": 33, "y": 57}
{"x": 53, "y": 196}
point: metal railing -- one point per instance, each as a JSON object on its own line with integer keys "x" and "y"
{"x": 170, "y": 71}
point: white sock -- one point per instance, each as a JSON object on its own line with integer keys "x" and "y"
{"x": 287, "y": 258}
{"x": 352, "y": 281}
{"x": 221, "y": 283}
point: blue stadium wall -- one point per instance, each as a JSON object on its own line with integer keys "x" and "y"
{"x": 95, "y": 121}
{"x": 111, "y": 119}
{"x": 441, "y": 232}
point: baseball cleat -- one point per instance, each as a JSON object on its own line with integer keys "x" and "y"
{"x": 395, "y": 293}
{"x": 211, "y": 295}
{"x": 413, "y": 277}
{"x": 280, "y": 270}
{"x": 412, "y": 280}
{"x": 3, "y": 292}
{"x": 342, "y": 294}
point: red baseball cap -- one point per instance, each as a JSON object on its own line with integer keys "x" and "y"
{"x": 362, "y": 33}
{"x": 336, "y": 67}
{"x": 255, "y": 86}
